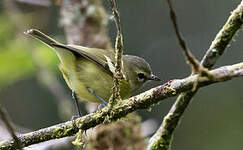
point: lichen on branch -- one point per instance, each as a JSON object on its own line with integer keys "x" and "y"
{"x": 142, "y": 101}
{"x": 118, "y": 56}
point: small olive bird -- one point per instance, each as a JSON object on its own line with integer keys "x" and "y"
{"x": 88, "y": 72}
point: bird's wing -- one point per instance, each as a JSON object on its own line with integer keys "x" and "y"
{"x": 98, "y": 56}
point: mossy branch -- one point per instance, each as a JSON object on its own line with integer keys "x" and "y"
{"x": 163, "y": 137}
{"x": 142, "y": 101}
{"x": 223, "y": 38}
{"x": 118, "y": 55}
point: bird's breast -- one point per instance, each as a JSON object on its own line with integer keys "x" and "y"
{"x": 87, "y": 74}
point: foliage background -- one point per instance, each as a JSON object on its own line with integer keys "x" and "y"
{"x": 213, "y": 120}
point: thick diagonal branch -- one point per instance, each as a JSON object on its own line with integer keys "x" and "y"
{"x": 162, "y": 138}
{"x": 141, "y": 101}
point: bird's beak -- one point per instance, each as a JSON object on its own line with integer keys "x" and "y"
{"x": 154, "y": 78}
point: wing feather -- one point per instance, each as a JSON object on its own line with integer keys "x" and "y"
{"x": 89, "y": 54}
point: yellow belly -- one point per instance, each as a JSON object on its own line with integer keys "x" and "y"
{"x": 87, "y": 74}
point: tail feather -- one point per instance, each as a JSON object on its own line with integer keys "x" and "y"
{"x": 64, "y": 54}
{"x": 41, "y": 36}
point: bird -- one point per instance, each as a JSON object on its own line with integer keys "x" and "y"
{"x": 88, "y": 72}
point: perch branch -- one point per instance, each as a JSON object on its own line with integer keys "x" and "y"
{"x": 163, "y": 137}
{"x": 142, "y": 101}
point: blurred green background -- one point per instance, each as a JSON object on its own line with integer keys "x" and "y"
{"x": 213, "y": 120}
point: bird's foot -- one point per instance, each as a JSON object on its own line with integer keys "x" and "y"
{"x": 97, "y": 96}
{"x": 74, "y": 96}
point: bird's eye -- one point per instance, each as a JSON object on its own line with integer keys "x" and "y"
{"x": 141, "y": 76}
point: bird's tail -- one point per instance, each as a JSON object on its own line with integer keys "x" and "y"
{"x": 41, "y": 36}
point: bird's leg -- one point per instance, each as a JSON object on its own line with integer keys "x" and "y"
{"x": 97, "y": 96}
{"x": 74, "y": 96}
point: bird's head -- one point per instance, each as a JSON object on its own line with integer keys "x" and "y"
{"x": 138, "y": 71}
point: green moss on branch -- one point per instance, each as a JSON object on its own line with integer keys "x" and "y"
{"x": 141, "y": 101}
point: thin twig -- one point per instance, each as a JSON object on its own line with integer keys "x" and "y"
{"x": 118, "y": 55}
{"x": 163, "y": 137}
{"x": 3, "y": 115}
{"x": 142, "y": 101}
{"x": 116, "y": 14}
{"x": 190, "y": 58}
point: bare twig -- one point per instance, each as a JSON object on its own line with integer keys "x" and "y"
{"x": 118, "y": 55}
{"x": 3, "y": 115}
{"x": 163, "y": 137}
{"x": 190, "y": 58}
{"x": 116, "y": 14}
{"x": 141, "y": 101}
